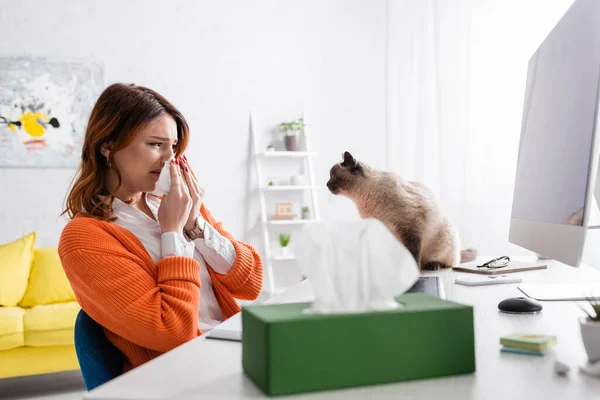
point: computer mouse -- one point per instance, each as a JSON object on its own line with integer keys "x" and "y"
{"x": 519, "y": 305}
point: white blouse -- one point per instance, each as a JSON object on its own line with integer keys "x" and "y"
{"x": 215, "y": 249}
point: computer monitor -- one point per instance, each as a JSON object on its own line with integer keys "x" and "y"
{"x": 558, "y": 152}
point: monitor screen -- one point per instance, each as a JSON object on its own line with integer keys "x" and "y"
{"x": 559, "y": 115}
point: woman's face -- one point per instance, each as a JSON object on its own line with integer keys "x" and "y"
{"x": 141, "y": 161}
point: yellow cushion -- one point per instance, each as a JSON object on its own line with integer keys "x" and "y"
{"x": 50, "y": 325}
{"x": 47, "y": 281}
{"x": 11, "y": 327}
{"x": 37, "y": 360}
{"x": 15, "y": 264}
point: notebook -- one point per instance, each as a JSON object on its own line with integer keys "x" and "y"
{"x": 531, "y": 342}
{"x": 230, "y": 329}
{"x": 506, "y": 349}
{"x": 513, "y": 266}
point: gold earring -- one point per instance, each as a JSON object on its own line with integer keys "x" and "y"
{"x": 108, "y": 163}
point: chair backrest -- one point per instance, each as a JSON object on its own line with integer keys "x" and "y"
{"x": 99, "y": 360}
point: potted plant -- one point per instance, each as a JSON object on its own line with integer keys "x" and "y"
{"x": 284, "y": 240}
{"x": 305, "y": 212}
{"x": 292, "y": 131}
{"x": 590, "y": 331}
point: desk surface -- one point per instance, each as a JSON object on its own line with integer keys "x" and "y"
{"x": 212, "y": 369}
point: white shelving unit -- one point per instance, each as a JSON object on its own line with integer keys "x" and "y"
{"x": 287, "y": 154}
{"x": 292, "y": 222}
{"x": 284, "y": 258}
{"x": 307, "y": 158}
{"x": 285, "y": 188}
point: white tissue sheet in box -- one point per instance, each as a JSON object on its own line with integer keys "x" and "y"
{"x": 354, "y": 266}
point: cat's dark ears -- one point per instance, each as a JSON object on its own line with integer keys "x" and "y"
{"x": 349, "y": 160}
{"x": 350, "y": 163}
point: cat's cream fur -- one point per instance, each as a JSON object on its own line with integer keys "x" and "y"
{"x": 408, "y": 209}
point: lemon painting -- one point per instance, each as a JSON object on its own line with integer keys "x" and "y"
{"x": 44, "y": 106}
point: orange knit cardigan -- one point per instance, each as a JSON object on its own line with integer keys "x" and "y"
{"x": 147, "y": 309}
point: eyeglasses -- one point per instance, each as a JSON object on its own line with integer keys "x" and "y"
{"x": 499, "y": 262}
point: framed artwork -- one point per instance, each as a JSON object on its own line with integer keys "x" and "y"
{"x": 44, "y": 108}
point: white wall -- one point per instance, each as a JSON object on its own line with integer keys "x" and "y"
{"x": 214, "y": 61}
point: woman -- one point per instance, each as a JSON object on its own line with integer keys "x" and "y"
{"x": 153, "y": 272}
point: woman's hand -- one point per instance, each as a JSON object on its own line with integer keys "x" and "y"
{"x": 196, "y": 192}
{"x": 174, "y": 209}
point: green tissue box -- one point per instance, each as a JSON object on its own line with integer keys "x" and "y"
{"x": 286, "y": 351}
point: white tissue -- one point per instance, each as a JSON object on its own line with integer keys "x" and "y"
{"x": 354, "y": 266}
{"x": 163, "y": 186}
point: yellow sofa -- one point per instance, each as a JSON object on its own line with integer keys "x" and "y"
{"x": 37, "y": 311}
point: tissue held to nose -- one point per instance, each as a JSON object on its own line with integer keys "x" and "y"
{"x": 163, "y": 186}
{"x": 354, "y": 266}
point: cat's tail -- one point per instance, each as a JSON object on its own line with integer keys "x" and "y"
{"x": 467, "y": 255}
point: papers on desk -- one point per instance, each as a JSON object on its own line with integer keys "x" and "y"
{"x": 230, "y": 329}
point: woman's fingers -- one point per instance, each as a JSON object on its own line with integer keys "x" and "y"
{"x": 194, "y": 182}
{"x": 188, "y": 180}
{"x": 183, "y": 179}
{"x": 191, "y": 179}
{"x": 175, "y": 177}
{"x": 175, "y": 207}
{"x": 190, "y": 168}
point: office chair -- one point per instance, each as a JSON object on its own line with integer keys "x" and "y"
{"x": 99, "y": 360}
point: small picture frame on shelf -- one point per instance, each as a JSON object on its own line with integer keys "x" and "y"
{"x": 283, "y": 211}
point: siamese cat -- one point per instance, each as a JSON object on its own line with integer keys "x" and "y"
{"x": 408, "y": 209}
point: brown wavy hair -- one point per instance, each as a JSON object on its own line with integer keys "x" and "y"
{"x": 119, "y": 113}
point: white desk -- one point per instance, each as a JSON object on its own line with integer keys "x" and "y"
{"x": 212, "y": 369}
